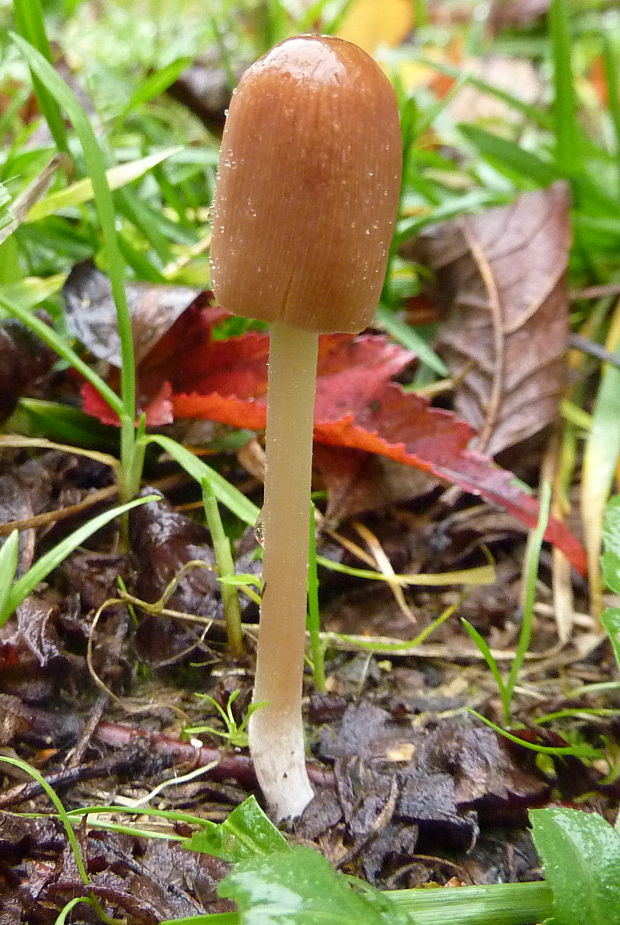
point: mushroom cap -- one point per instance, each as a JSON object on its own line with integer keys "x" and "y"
{"x": 307, "y": 188}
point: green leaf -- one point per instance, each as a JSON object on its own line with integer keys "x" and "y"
{"x": 5, "y": 212}
{"x": 95, "y": 164}
{"x": 31, "y": 291}
{"x": 31, "y": 24}
{"x": 611, "y": 540}
{"x": 299, "y": 887}
{"x": 246, "y": 833}
{"x": 46, "y": 563}
{"x": 567, "y": 135}
{"x": 8, "y": 564}
{"x": 509, "y": 157}
{"x": 82, "y": 191}
{"x": 581, "y": 857}
{"x": 409, "y": 338}
{"x": 225, "y": 493}
{"x": 611, "y": 621}
{"x": 155, "y": 85}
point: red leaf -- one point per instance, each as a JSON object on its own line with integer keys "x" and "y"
{"x": 158, "y": 410}
{"x": 405, "y": 428}
{"x": 356, "y": 406}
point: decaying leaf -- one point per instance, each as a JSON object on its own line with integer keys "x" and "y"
{"x": 91, "y": 314}
{"x": 24, "y": 359}
{"x": 164, "y": 541}
{"x": 501, "y": 279}
{"x": 443, "y": 779}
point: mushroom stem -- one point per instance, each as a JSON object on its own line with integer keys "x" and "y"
{"x": 276, "y": 729}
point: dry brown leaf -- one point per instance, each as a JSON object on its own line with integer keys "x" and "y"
{"x": 501, "y": 280}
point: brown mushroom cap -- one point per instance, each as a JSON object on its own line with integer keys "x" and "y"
{"x": 307, "y": 187}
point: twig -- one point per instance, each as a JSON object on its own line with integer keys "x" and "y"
{"x": 594, "y": 350}
{"x": 106, "y": 767}
{"x": 229, "y": 764}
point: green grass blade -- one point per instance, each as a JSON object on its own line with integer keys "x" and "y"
{"x": 225, "y": 568}
{"x": 62, "y": 918}
{"x": 31, "y": 291}
{"x": 31, "y": 25}
{"x": 82, "y": 191}
{"x": 463, "y": 204}
{"x": 35, "y": 417}
{"x": 491, "y": 904}
{"x": 535, "y": 114}
{"x": 612, "y": 80}
{"x": 489, "y": 658}
{"x": 49, "y": 336}
{"x": 154, "y": 85}
{"x": 217, "y": 918}
{"x": 95, "y": 165}
{"x": 8, "y": 565}
{"x": 586, "y": 752}
{"x": 226, "y": 494}
{"x": 611, "y": 621}
{"x": 46, "y": 563}
{"x": 532, "y": 558}
{"x": 6, "y": 218}
{"x": 409, "y": 338}
{"x": 509, "y": 157}
{"x": 567, "y": 134}
{"x": 60, "y": 809}
{"x": 599, "y": 463}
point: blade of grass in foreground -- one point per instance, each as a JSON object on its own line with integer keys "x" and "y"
{"x": 95, "y": 165}
{"x": 499, "y": 903}
{"x": 46, "y": 563}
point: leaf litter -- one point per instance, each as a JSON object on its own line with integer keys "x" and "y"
{"x": 413, "y": 795}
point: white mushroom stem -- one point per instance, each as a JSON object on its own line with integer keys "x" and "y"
{"x": 276, "y": 729}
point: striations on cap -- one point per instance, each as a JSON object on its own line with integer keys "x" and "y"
{"x": 307, "y": 188}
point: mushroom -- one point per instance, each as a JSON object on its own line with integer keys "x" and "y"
{"x": 303, "y": 215}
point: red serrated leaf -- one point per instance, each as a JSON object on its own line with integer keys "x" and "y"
{"x": 158, "y": 410}
{"x": 403, "y": 427}
{"x": 357, "y": 406}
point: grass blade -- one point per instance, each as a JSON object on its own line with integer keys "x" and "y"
{"x": 567, "y": 134}
{"x": 83, "y": 191}
{"x": 49, "y": 336}
{"x": 95, "y": 165}
{"x": 509, "y": 157}
{"x": 225, "y": 568}
{"x": 9, "y": 552}
{"x": 226, "y": 494}
{"x": 31, "y": 25}
{"x": 46, "y": 563}
{"x": 154, "y": 85}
